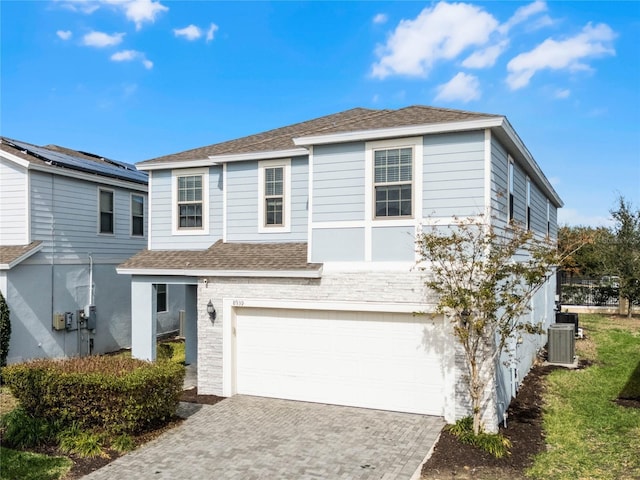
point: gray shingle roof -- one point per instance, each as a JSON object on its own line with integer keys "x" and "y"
{"x": 237, "y": 257}
{"x": 352, "y": 120}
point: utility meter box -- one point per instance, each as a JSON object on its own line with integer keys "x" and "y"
{"x": 90, "y": 316}
{"x": 58, "y": 321}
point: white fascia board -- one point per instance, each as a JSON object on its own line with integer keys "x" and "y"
{"x": 266, "y": 155}
{"x": 223, "y": 273}
{"x": 532, "y": 165}
{"x": 394, "y": 132}
{"x": 108, "y": 181}
{"x": 220, "y": 159}
{"x": 14, "y": 159}
{"x": 203, "y": 162}
{"x": 21, "y": 258}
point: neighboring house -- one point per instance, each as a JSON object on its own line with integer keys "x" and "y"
{"x": 67, "y": 219}
{"x": 296, "y": 248}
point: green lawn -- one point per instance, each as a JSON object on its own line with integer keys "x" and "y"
{"x": 588, "y": 435}
{"x": 31, "y": 466}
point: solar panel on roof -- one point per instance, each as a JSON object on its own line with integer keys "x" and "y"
{"x": 109, "y": 168}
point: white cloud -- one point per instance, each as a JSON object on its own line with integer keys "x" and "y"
{"x": 380, "y": 18}
{"x": 572, "y": 217}
{"x": 486, "y": 57}
{"x": 190, "y": 32}
{"x": 64, "y": 34}
{"x": 137, "y": 11}
{"x": 522, "y": 14}
{"x": 131, "y": 55}
{"x": 100, "y": 39}
{"x": 439, "y": 33}
{"x": 213, "y": 28}
{"x": 563, "y": 93}
{"x": 568, "y": 54}
{"x": 463, "y": 87}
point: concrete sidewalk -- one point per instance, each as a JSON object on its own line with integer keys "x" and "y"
{"x": 245, "y": 438}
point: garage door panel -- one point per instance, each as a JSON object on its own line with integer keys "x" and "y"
{"x": 351, "y": 358}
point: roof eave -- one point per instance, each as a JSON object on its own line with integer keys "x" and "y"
{"x": 21, "y": 258}
{"x": 221, "y": 159}
{"x": 395, "y": 132}
{"x": 317, "y": 273}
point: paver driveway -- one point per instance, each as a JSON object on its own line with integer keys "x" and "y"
{"x": 245, "y": 438}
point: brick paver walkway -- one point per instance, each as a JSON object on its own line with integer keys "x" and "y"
{"x": 246, "y": 438}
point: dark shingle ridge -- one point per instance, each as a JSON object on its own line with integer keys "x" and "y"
{"x": 352, "y": 120}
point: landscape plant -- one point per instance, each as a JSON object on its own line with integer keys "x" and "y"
{"x": 5, "y": 332}
{"x": 484, "y": 279}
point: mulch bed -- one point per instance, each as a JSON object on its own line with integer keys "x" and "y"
{"x": 452, "y": 459}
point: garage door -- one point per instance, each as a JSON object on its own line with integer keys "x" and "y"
{"x": 386, "y": 361}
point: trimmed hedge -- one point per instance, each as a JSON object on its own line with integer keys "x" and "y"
{"x": 109, "y": 393}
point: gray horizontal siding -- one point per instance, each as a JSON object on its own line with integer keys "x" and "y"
{"x": 161, "y": 211}
{"x": 338, "y": 182}
{"x": 499, "y": 181}
{"x": 64, "y": 215}
{"x": 13, "y": 211}
{"x": 243, "y": 203}
{"x": 453, "y": 174}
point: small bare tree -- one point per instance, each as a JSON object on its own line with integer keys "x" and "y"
{"x": 485, "y": 279}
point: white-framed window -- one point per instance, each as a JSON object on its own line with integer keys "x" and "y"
{"x": 190, "y": 194}
{"x": 548, "y": 218}
{"x": 393, "y": 182}
{"x": 528, "y": 204}
{"x": 137, "y": 215}
{"x": 274, "y": 196}
{"x": 161, "y": 298}
{"x": 106, "y": 216}
{"x": 510, "y": 189}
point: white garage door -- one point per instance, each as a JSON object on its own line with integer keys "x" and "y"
{"x": 386, "y": 361}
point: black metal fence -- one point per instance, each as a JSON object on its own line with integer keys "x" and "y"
{"x": 602, "y": 292}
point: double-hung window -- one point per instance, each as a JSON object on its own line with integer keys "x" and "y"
{"x": 137, "y": 215}
{"x": 190, "y": 202}
{"x": 510, "y": 167}
{"x": 106, "y": 219}
{"x": 161, "y": 297}
{"x": 190, "y": 199}
{"x": 274, "y": 196}
{"x": 528, "y": 220}
{"x": 393, "y": 182}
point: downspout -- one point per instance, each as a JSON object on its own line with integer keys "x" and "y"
{"x": 90, "y": 280}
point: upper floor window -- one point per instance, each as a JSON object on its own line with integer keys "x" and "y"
{"x": 137, "y": 215}
{"x": 548, "y": 218}
{"x": 510, "y": 188}
{"x": 528, "y": 204}
{"x": 393, "y": 182}
{"x": 274, "y": 196}
{"x": 190, "y": 198}
{"x": 106, "y": 220}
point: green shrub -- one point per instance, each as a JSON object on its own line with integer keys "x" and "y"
{"x": 22, "y": 430}
{"x": 107, "y": 393}
{"x": 165, "y": 351}
{"x": 493, "y": 443}
{"x": 5, "y": 331}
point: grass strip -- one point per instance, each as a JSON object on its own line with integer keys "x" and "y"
{"x": 588, "y": 435}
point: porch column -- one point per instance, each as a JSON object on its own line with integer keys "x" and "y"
{"x": 143, "y": 319}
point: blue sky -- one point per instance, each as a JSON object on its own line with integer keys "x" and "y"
{"x": 136, "y": 79}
